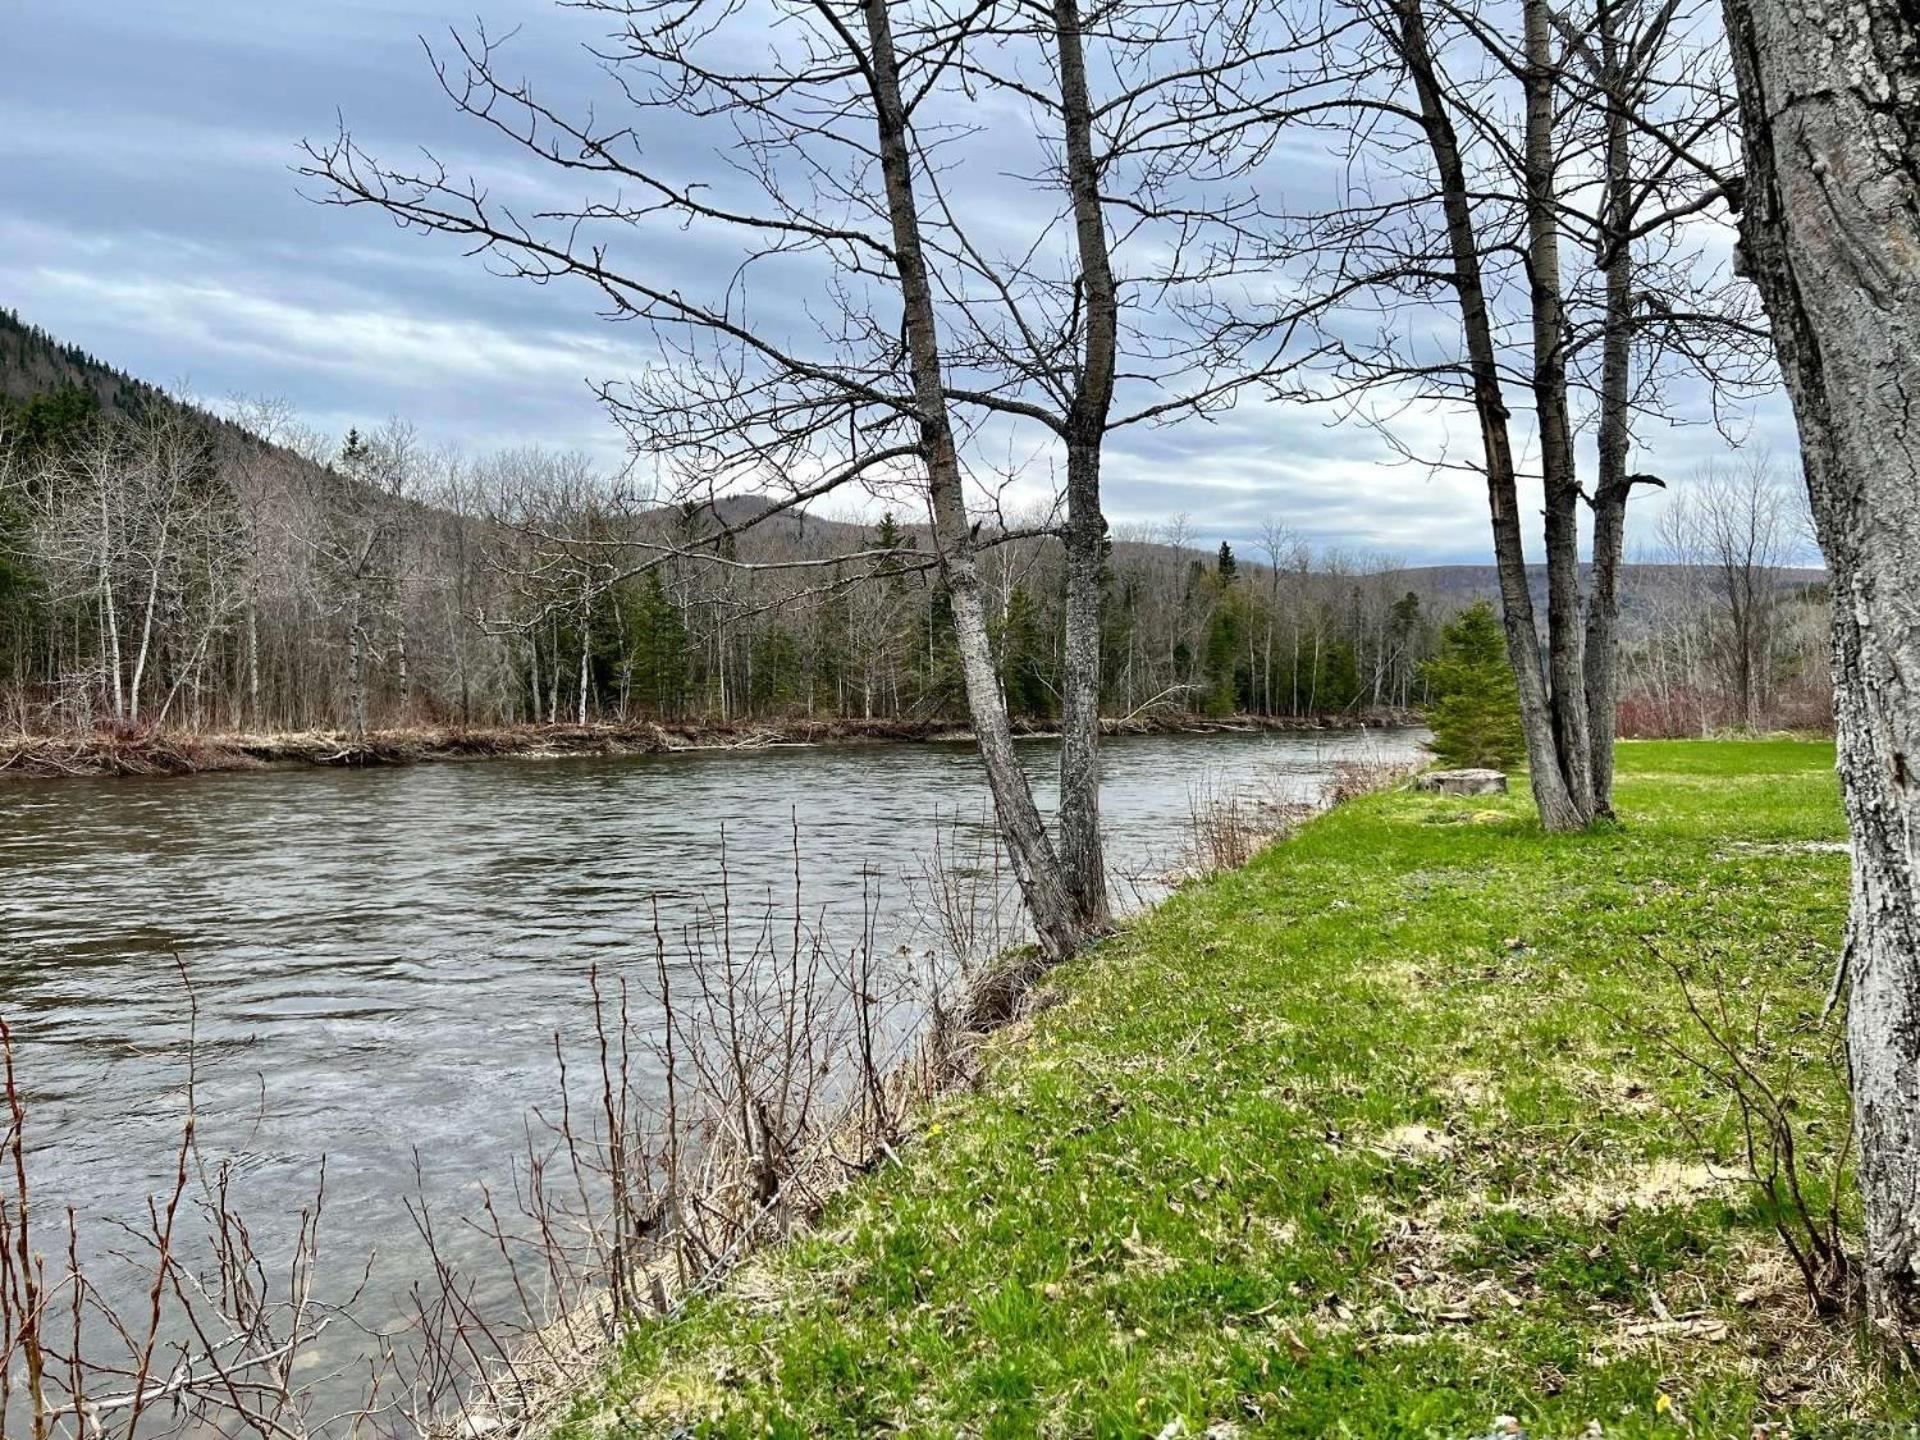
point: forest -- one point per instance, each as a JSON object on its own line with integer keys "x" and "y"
{"x": 161, "y": 566}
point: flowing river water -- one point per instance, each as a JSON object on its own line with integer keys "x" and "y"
{"x": 382, "y": 958}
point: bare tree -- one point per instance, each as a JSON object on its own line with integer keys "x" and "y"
{"x": 1654, "y": 96}
{"x": 830, "y": 134}
{"x": 357, "y": 517}
{"x": 1489, "y": 143}
{"x": 1830, "y": 231}
{"x": 136, "y": 524}
{"x": 1151, "y": 116}
{"x": 845, "y": 192}
{"x": 555, "y": 523}
{"x": 1733, "y": 523}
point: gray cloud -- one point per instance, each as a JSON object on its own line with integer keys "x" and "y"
{"x": 149, "y": 212}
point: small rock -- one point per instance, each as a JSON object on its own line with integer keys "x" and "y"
{"x": 1462, "y": 782}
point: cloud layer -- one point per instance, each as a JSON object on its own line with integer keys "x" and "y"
{"x": 151, "y": 215}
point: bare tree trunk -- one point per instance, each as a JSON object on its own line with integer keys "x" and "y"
{"x": 1557, "y": 806}
{"x": 585, "y": 646}
{"x": 253, "y": 663}
{"x": 357, "y": 673}
{"x": 1035, "y": 864}
{"x": 401, "y": 678}
{"x": 157, "y": 560}
{"x": 1565, "y": 670}
{"x": 1613, "y": 486}
{"x": 1603, "y": 609}
{"x": 1081, "y": 851}
{"x": 1830, "y": 100}
{"x": 1080, "y": 847}
{"x": 113, "y": 640}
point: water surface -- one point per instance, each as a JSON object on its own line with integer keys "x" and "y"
{"x": 381, "y": 958}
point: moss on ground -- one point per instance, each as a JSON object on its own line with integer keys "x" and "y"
{"x": 1378, "y": 1136}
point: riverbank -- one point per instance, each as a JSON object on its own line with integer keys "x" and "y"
{"x": 1395, "y": 1131}
{"x": 105, "y": 753}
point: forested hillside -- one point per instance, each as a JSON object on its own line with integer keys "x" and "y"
{"x": 164, "y": 566}
{"x": 34, "y": 366}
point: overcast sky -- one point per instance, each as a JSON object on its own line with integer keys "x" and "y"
{"x": 149, "y": 212}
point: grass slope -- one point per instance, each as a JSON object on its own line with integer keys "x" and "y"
{"x": 1370, "y": 1138}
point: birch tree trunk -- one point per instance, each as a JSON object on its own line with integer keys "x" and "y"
{"x": 1830, "y": 102}
{"x": 1035, "y": 862}
{"x": 253, "y": 663}
{"x": 585, "y": 650}
{"x": 156, "y": 561}
{"x": 114, "y": 662}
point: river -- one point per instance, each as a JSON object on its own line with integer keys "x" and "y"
{"x": 381, "y": 958}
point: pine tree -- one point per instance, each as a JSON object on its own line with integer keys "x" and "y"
{"x": 1023, "y": 658}
{"x": 1475, "y": 708}
{"x": 1225, "y": 647}
{"x": 1226, "y": 566}
{"x": 657, "y": 641}
{"x": 892, "y": 539}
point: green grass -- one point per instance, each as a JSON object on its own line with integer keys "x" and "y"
{"x": 1375, "y": 1137}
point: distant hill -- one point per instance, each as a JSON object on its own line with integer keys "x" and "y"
{"x": 1442, "y": 588}
{"x": 34, "y": 363}
{"x": 54, "y": 390}
{"x": 37, "y": 365}
{"x": 1452, "y": 586}
{"x": 1474, "y": 582}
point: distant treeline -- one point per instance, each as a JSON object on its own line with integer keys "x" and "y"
{"x": 163, "y": 566}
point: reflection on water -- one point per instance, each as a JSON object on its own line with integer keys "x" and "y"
{"x": 382, "y": 957}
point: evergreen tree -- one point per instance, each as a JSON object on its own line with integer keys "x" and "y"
{"x": 1023, "y": 658}
{"x": 1336, "y": 676}
{"x": 657, "y": 641}
{"x": 53, "y": 423}
{"x": 1224, "y": 651}
{"x": 942, "y": 682}
{"x": 1226, "y": 567}
{"x": 890, "y": 537}
{"x": 1474, "y": 711}
{"x": 778, "y": 668}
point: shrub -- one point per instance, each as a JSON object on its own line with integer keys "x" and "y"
{"x": 1474, "y": 709}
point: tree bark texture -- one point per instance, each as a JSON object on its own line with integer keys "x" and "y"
{"x": 1830, "y": 104}
{"x": 1613, "y": 486}
{"x": 1566, "y": 678}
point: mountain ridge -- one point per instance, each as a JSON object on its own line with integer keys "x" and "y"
{"x": 35, "y": 365}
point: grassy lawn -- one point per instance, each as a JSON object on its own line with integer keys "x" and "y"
{"x": 1375, "y": 1137}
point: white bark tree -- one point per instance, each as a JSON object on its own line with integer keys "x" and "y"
{"x": 137, "y": 523}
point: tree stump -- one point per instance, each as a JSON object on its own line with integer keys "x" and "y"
{"x": 1462, "y": 782}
